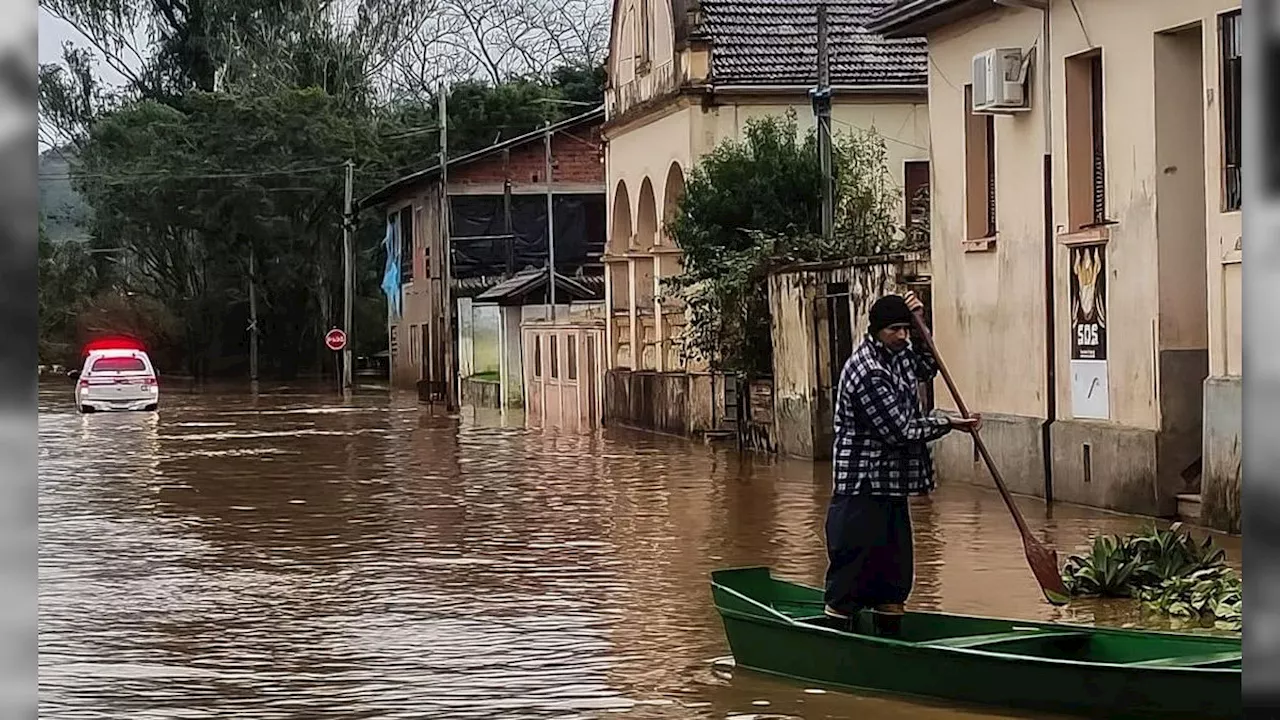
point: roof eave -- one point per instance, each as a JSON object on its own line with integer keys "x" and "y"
{"x": 515, "y": 289}
{"x": 917, "y": 18}
{"x": 841, "y": 88}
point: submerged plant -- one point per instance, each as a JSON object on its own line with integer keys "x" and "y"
{"x": 1214, "y": 594}
{"x": 1168, "y": 570}
{"x": 1172, "y": 553}
{"x": 1106, "y": 571}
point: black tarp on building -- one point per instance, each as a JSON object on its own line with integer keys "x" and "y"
{"x": 478, "y": 227}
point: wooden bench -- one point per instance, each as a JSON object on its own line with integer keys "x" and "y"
{"x": 979, "y": 641}
{"x": 1207, "y": 660}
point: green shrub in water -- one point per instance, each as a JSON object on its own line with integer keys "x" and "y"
{"x": 1166, "y": 569}
{"x": 1212, "y": 593}
{"x": 1106, "y": 571}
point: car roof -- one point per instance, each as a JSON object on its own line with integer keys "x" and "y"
{"x": 116, "y": 352}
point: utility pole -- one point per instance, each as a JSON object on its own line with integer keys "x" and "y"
{"x": 450, "y": 369}
{"x": 551, "y": 227}
{"x": 348, "y": 279}
{"x": 506, "y": 213}
{"x": 253, "y": 320}
{"x": 821, "y": 96}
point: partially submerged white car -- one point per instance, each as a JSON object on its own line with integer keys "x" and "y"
{"x": 117, "y": 379}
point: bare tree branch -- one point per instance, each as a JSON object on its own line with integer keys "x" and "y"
{"x": 109, "y": 26}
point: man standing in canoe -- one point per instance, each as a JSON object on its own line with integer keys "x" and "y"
{"x": 879, "y": 459}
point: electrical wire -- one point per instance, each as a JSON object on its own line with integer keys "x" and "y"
{"x": 941, "y": 74}
{"x": 195, "y": 176}
{"x": 1080, "y": 20}
{"x": 886, "y": 137}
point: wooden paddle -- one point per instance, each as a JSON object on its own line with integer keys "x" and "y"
{"x": 1043, "y": 560}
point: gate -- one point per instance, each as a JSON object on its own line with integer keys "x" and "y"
{"x": 563, "y": 384}
{"x": 835, "y": 339}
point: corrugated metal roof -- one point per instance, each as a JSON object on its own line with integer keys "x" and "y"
{"x": 531, "y": 280}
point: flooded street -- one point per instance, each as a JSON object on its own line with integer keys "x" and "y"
{"x": 294, "y": 556}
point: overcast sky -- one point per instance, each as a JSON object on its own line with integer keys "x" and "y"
{"x": 54, "y": 33}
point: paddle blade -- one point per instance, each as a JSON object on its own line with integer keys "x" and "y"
{"x": 1044, "y": 565}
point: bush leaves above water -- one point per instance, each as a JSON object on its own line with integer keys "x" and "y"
{"x": 1215, "y": 593}
{"x": 753, "y": 205}
{"x": 1106, "y": 571}
{"x": 1168, "y": 570}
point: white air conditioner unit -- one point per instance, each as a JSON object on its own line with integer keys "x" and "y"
{"x": 999, "y": 81}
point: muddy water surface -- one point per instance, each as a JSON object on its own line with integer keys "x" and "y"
{"x": 292, "y": 555}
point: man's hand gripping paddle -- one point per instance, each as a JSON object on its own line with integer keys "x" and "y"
{"x": 1043, "y": 560}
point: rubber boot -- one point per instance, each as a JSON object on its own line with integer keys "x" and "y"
{"x": 888, "y": 620}
{"x": 837, "y": 620}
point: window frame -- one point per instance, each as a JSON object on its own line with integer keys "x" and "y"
{"x": 980, "y": 171}
{"x": 1230, "y": 34}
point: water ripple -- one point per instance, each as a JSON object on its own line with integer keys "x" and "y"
{"x": 294, "y": 556}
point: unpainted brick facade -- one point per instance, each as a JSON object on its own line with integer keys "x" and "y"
{"x": 577, "y": 158}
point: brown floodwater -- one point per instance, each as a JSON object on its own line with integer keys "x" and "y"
{"x": 293, "y": 555}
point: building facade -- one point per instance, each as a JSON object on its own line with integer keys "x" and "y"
{"x": 1086, "y": 242}
{"x": 819, "y": 314}
{"x": 682, "y": 77}
{"x": 498, "y": 234}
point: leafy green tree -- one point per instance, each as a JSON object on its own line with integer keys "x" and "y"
{"x": 65, "y": 282}
{"x": 753, "y": 205}
{"x": 188, "y": 194}
{"x": 227, "y": 141}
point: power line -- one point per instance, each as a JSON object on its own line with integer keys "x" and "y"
{"x": 882, "y": 136}
{"x": 197, "y": 176}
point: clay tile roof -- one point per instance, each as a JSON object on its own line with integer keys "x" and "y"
{"x": 775, "y": 42}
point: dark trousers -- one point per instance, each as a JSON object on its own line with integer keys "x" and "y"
{"x": 869, "y": 552}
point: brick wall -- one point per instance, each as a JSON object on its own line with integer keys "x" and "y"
{"x": 575, "y": 154}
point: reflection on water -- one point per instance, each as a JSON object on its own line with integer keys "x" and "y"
{"x": 291, "y": 556}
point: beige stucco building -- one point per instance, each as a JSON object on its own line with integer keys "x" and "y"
{"x": 682, "y": 77}
{"x": 1086, "y": 245}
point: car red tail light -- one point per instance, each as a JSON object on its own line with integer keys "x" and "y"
{"x": 150, "y": 381}
{"x": 84, "y": 383}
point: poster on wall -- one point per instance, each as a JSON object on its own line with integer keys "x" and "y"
{"x": 1089, "y": 391}
{"x": 1088, "y": 303}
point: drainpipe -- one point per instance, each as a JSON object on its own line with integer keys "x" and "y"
{"x": 1050, "y": 312}
{"x": 1051, "y": 353}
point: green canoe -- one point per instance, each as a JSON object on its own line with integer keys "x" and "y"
{"x": 777, "y": 627}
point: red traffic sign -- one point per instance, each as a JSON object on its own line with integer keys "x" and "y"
{"x": 335, "y": 340}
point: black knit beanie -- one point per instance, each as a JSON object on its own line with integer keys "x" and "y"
{"x": 888, "y": 310}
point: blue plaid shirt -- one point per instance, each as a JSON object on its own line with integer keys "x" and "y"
{"x": 880, "y": 430}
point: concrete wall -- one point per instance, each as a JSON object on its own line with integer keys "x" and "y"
{"x": 1220, "y": 493}
{"x": 511, "y": 356}
{"x": 411, "y": 332}
{"x": 1162, "y": 196}
{"x": 466, "y": 338}
{"x": 486, "y": 339}
{"x": 1220, "y": 483}
{"x": 803, "y": 375}
{"x": 482, "y": 393}
{"x": 639, "y": 43}
{"x": 675, "y": 403}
